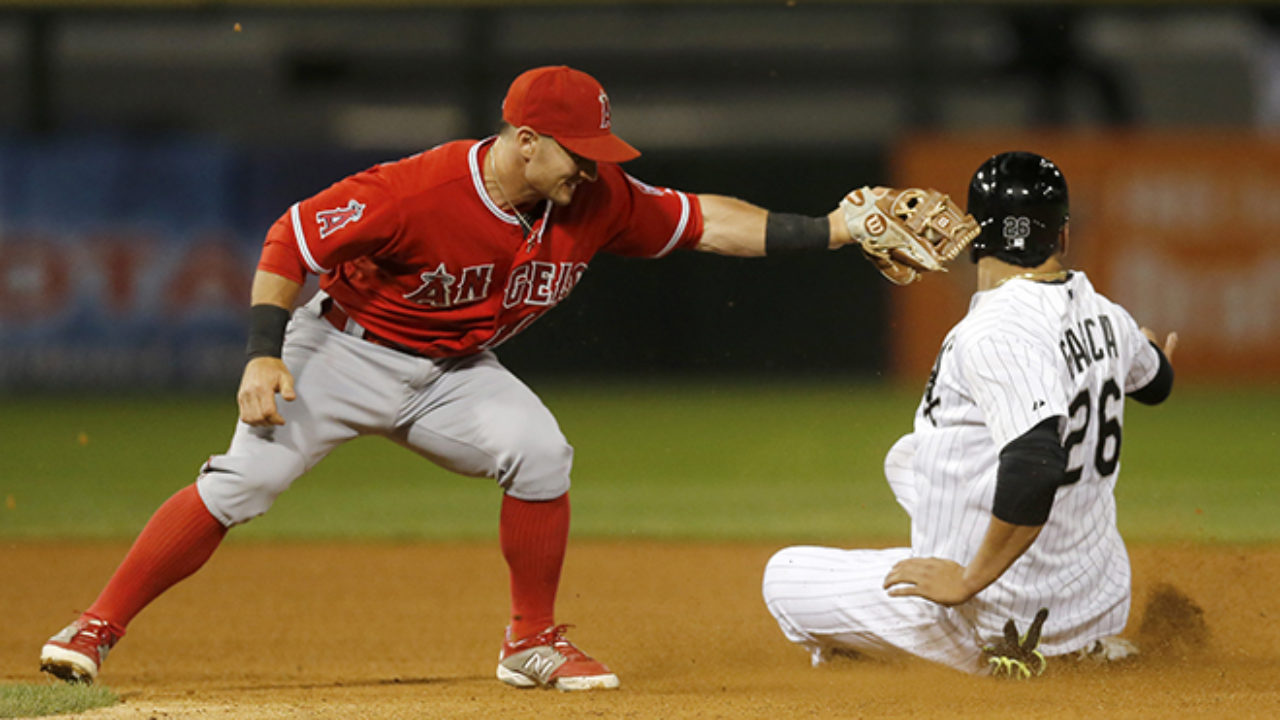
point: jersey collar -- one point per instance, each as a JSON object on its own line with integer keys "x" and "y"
{"x": 477, "y": 179}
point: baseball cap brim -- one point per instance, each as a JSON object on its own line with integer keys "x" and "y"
{"x": 601, "y": 148}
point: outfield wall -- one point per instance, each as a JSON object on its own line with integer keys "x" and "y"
{"x": 1179, "y": 227}
{"x": 125, "y": 263}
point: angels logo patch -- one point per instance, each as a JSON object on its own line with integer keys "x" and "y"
{"x": 331, "y": 221}
{"x": 606, "y": 114}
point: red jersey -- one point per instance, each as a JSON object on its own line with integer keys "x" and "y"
{"x": 416, "y": 251}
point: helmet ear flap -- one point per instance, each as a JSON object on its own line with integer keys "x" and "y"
{"x": 1020, "y": 202}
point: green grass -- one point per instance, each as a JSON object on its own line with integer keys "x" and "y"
{"x": 710, "y": 461}
{"x": 1202, "y": 467}
{"x": 25, "y": 701}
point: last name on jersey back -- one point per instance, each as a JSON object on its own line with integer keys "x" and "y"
{"x": 1087, "y": 342}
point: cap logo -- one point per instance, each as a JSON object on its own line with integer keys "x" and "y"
{"x": 606, "y": 115}
{"x": 570, "y": 106}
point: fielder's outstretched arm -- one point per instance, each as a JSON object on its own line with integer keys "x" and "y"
{"x": 738, "y": 228}
{"x": 265, "y": 373}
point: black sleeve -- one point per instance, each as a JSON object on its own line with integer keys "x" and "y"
{"x": 1032, "y": 466}
{"x": 1156, "y": 391}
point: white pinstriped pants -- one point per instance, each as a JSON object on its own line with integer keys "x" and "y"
{"x": 828, "y": 598}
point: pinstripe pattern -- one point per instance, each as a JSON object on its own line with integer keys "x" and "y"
{"x": 1026, "y": 351}
{"x": 826, "y": 597}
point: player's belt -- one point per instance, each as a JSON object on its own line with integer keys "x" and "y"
{"x": 337, "y": 317}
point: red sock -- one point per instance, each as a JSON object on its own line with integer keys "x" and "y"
{"x": 178, "y": 539}
{"x": 533, "y": 536}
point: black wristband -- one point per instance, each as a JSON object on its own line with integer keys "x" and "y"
{"x": 1156, "y": 391}
{"x": 266, "y": 331}
{"x": 790, "y": 233}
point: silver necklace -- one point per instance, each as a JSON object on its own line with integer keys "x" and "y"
{"x": 1053, "y": 276}
{"x": 493, "y": 166}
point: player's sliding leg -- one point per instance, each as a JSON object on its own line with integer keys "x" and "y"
{"x": 829, "y": 599}
{"x": 177, "y": 541}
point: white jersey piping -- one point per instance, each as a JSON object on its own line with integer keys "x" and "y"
{"x": 301, "y": 238}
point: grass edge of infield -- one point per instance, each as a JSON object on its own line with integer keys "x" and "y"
{"x": 27, "y": 700}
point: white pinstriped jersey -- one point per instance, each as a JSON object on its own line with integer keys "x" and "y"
{"x": 1027, "y": 351}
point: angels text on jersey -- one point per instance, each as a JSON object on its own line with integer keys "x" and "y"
{"x": 536, "y": 283}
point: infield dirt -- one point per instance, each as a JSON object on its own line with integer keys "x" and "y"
{"x": 412, "y": 631}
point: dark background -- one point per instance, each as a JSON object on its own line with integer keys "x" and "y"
{"x": 786, "y": 104}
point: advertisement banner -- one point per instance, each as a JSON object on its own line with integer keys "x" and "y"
{"x": 121, "y": 265}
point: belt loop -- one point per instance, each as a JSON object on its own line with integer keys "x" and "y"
{"x": 332, "y": 312}
{"x": 319, "y": 303}
{"x": 353, "y": 328}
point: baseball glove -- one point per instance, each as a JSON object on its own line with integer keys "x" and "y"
{"x": 907, "y": 232}
{"x": 1017, "y": 657}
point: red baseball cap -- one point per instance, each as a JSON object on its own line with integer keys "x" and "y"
{"x": 571, "y": 107}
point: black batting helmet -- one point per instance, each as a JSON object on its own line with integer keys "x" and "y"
{"x": 1020, "y": 202}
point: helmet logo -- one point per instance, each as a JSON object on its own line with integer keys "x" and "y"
{"x": 1015, "y": 231}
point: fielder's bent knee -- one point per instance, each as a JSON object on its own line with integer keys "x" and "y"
{"x": 238, "y": 488}
{"x": 539, "y": 472}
